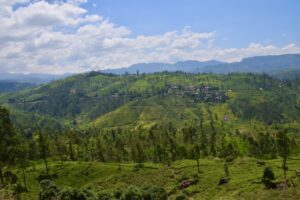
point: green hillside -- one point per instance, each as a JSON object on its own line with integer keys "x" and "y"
{"x": 172, "y": 135}
{"x": 101, "y": 100}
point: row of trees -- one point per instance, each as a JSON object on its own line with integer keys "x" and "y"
{"x": 159, "y": 144}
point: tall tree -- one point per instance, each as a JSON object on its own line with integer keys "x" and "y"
{"x": 196, "y": 151}
{"x": 213, "y": 139}
{"x": 22, "y": 160}
{"x": 44, "y": 149}
{"x": 7, "y": 141}
{"x": 284, "y": 148}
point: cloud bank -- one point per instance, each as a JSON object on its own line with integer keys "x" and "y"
{"x": 60, "y": 36}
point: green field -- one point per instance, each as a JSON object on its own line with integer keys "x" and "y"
{"x": 245, "y": 178}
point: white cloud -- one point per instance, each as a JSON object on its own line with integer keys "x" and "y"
{"x": 77, "y": 1}
{"x": 45, "y": 14}
{"x": 58, "y": 37}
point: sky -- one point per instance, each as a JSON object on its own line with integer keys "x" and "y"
{"x": 72, "y": 36}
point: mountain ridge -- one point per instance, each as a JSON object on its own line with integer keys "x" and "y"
{"x": 258, "y": 64}
{"x": 33, "y": 78}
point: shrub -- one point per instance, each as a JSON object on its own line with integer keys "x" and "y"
{"x": 182, "y": 197}
{"x": 104, "y": 196}
{"x": 155, "y": 193}
{"x": 49, "y": 190}
{"x": 10, "y": 177}
{"x": 132, "y": 194}
{"x": 117, "y": 193}
{"x": 268, "y": 177}
{"x": 88, "y": 194}
{"x": 72, "y": 194}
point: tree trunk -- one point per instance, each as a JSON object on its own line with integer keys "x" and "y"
{"x": 198, "y": 165}
{"x": 284, "y": 167}
{"x": 71, "y": 151}
{"x": 24, "y": 179}
{"x": 46, "y": 165}
{"x": 226, "y": 170}
{"x": 92, "y": 155}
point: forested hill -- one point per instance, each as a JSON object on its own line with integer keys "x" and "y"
{"x": 107, "y": 101}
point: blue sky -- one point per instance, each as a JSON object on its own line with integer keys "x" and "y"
{"x": 237, "y": 22}
{"x": 60, "y": 36}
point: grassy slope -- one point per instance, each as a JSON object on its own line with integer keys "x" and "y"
{"x": 244, "y": 173}
{"x": 150, "y": 111}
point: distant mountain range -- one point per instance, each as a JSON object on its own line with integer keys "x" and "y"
{"x": 273, "y": 65}
{"x": 258, "y": 64}
{"x": 6, "y": 86}
{"x": 186, "y": 66}
{"x": 30, "y": 78}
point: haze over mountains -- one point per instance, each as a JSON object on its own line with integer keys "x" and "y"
{"x": 12, "y": 82}
{"x": 259, "y": 64}
{"x": 186, "y": 66}
{"x": 282, "y": 66}
{"x": 30, "y": 78}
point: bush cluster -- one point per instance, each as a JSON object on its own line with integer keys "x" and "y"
{"x": 50, "y": 191}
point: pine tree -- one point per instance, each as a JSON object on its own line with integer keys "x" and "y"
{"x": 213, "y": 139}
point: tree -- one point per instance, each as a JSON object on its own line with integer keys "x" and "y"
{"x": 22, "y": 160}
{"x": 61, "y": 148}
{"x": 226, "y": 170}
{"x": 196, "y": 155}
{"x": 44, "y": 149}
{"x": 7, "y": 141}
{"x": 139, "y": 154}
{"x": 203, "y": 139}
{"x": 153, "y": 140}
{"x": 284, "y": 148}
{"x": 172, "y": 147}
{"x": 100, "y": 150}
{"x": 71, "y": 140}
{"x": 213, "y": 139}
